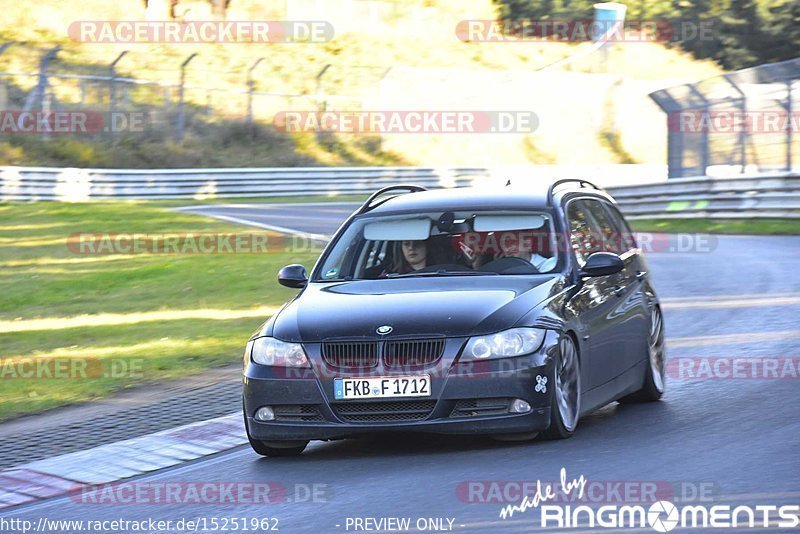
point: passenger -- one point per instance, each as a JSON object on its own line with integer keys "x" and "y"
{"x": 413, "y": 257}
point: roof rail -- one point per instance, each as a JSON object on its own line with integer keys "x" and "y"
{"x": 370, "y": 202}
{"x": 582, "y": 182}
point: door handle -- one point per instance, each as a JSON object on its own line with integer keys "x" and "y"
{"x": 619, "y": 291}
{"x": 640, "y": 275}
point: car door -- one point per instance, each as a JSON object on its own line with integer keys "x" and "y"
{"x": 595, "y": 300}
{"x": 637, "y": 309}
{"x": 625, "y": 318}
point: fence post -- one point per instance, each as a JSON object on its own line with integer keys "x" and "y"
{"x": 322, "y": 103}
{"x": 112, "y": 89}
{"x": 3, "y": 89}
{"x": 743, "y": 132}
{"x": 181, "y": 111}
{"x": 704, "y": 139}
{"x": 39, "y": 91}
{"x": 250, "y": 86}
{"x": 789, "y": 123}
{"x": 318, "y": 89}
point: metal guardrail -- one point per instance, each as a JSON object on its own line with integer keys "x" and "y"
{"x": 40, "y": 183}
{"x": 721, "y": 198}
{"x": 775, "y": 195}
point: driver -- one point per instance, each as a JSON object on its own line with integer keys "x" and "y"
{"x": 514, "y": 244}
{"x": 525, "y": 249}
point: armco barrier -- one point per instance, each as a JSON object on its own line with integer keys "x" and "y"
{"x": 772, "y": 195}
{"x": 729, "y": 198}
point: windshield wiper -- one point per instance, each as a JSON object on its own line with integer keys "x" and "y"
{"x": 440, "y": 273}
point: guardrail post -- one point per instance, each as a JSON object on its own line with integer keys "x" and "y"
{"x": 181, "y": 111}
{"x": 250, "y": 86}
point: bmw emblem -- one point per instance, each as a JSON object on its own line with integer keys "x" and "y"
{"x": 385, "y": 329}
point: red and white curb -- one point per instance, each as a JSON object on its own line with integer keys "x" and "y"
{"x": 71, "y": 472}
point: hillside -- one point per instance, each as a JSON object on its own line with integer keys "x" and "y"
{"x": 385, "y": 56}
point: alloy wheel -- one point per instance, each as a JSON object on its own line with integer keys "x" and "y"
{"x": 567, "y": 375}
{"x": 656, "y": 342}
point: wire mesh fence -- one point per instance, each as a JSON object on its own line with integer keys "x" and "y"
{"x": 167, "y": 101}
{"x": 742, "y": 122}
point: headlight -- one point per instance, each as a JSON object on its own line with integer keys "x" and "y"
{"x": 271, "y": 351}
{"x": 512, "y": 342}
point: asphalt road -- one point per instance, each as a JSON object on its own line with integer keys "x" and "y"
{"x": 737, "y": 440}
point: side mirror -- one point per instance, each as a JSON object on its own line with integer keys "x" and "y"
{"x": 602, "y": 264}
{"x": 293, "y": 276}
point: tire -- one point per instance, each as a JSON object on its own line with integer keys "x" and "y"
{"x": 273, "y": 448}
{"x": 518, "y": 437}
{"x": 565, "y": 396}
{"x": 263, "y": 449}
{"x": 654, "y": 374}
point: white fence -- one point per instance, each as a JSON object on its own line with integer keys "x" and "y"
{"x": 773, "y": 195}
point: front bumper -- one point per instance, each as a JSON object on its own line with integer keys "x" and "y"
{"x": 459, "y": 385}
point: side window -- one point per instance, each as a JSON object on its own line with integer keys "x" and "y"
{"x": 606, "y": 231}
{"x": 581, "y": 234}
{"x": 625, "y": 236}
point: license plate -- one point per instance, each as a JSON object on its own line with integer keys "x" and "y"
{"x": 382, "y": 387}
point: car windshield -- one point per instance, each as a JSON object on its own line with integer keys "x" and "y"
{"x": 442, "y": 244}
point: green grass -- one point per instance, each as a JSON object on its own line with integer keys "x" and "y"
{"x": 720, "y": 226}
{"x": 43, "y": 279}
{"x": 258, "y": 200}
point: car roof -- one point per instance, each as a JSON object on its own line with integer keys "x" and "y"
{"x": 468, "y": 198}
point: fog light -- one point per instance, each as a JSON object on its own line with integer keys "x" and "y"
{"x": 265, "y": 413}
{"x": 520, "y": 406}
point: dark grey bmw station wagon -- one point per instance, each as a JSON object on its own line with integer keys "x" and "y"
{"x": 509, "y": 312}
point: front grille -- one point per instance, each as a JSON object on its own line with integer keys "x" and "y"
{"x": 350, "y": 353}
{"x": 384, "y": 412}
{"x": 479, "y": 407}
{"x": 409, "y": 353}
{"x": 297, "y": 412}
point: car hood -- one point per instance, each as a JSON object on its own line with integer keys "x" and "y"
{"x": 450, "y": 306}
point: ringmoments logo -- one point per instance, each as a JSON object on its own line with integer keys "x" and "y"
{"x": 661, "y": 516}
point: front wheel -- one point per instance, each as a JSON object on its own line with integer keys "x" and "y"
{"x": 277, "y": 449}
{"x": 565, "y": 405}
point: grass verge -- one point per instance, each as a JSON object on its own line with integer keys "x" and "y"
{"x": 133, "y": 318}
{"x": 720, "y": 226}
